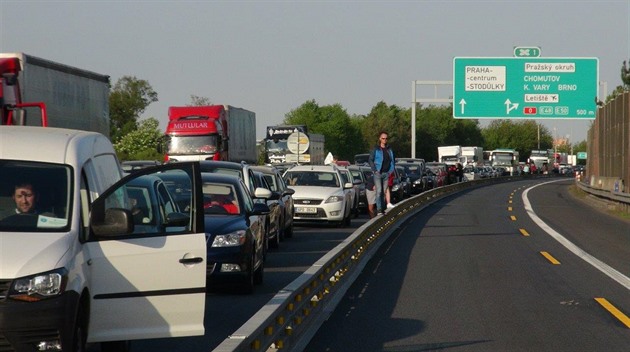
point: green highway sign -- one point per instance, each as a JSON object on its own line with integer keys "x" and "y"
{"x": 526, "y": 51}
{"x": 525, "y": 87}
{"x": 581, "y": 155}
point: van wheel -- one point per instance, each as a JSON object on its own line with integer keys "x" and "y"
{"x": 79, "y": 337}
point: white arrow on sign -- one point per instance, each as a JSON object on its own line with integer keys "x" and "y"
{"x": 509, "y": 108}
{"x": 462, "y": 103}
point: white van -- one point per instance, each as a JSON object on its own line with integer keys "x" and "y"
{"x": 74, "y": 270}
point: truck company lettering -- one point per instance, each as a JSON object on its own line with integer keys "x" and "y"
{"x": 190, "y": 125}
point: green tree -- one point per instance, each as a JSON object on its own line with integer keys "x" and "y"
{"x": 128, "y": 99}
{"x": 520, "y": 135}
{"x": 333, "y": 122}
{"x": 625, "y": 79}
{"x": 199, "y": 101}
{"x": 435, "y": 126}
{"x": 392, "y": 119}
{"x": 141, "y": 143}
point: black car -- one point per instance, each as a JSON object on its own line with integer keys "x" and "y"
{"x": 359, "y": 179}
{"x": 416, "y": 174}
{"x": 272, "y": 223}
{"x": 154, "y": 209}
{"x": 404, "y": 182}
{"x": 396, "y": 187}
{"x": 283, "y": 194}
{"x": 235, "y": 231}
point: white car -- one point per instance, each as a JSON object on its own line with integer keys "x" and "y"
{"x": 320, "y": 194}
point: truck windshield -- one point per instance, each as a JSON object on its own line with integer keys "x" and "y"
{"x": 277, "y": 146}
{"x": 192, "y": 145}
{"x": 34, "y": 197}
{"x": 502, "y": 159}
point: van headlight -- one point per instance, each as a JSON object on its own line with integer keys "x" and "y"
{"x": 236, "y": 238}
{"x": 38, "y": 287}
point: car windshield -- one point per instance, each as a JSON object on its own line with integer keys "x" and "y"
{"x": 312, "y": 178}
{"x": 412, "y": 169}
{"x": 35, "y": 196}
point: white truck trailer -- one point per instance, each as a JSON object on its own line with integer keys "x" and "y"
{"x": 450, "y": 155}
{"x": 472, "y": 155}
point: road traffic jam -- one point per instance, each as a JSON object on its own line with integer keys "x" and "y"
{"x": 206, "y": 217}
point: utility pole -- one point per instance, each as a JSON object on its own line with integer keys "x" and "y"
{"x": 415, "y": 100}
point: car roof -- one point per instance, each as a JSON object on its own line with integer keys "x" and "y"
{"x": 145, "y": 181}
{"x": 265, "y": 169}
{"x": 326, "y": 168}
{"x": 220, "y": 178}
{"x": 222, "y": 164}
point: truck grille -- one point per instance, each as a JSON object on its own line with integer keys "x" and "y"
{"x": 307, "y": 201}
{"x": 4, "y": 289}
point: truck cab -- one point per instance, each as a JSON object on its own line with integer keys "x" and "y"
{"x": 75, "y": 269}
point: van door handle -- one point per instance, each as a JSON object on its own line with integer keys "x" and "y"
{"x": 195, "y": 260}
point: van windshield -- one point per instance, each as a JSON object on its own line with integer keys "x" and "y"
{"x": 34, "y": 196}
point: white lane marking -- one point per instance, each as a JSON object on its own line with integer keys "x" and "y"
{"x": 598, "y": 264}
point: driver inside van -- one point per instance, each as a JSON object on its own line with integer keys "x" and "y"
{"x": 25, "y": 198}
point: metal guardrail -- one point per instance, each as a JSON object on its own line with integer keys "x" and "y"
{"x": 293, "y": 316}
{"x": 622, "y": 198}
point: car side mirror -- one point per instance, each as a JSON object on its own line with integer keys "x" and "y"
{"x": 177, "y": 219}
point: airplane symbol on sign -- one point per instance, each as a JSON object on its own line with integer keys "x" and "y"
{"x": 523, "y": 52}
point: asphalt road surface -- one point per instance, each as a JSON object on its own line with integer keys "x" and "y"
{"x": 474, "y": 272}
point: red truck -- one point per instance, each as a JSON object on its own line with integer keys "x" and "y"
{"x": 40, "y": 92}
{"x": 215, "y": 132}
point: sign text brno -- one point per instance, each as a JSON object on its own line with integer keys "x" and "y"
{"x": 530, "y": 88}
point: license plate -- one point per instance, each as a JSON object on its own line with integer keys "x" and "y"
{"x": 305, "y": 210}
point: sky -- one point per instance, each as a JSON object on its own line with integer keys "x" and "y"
{"x": 272, "y": 56}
